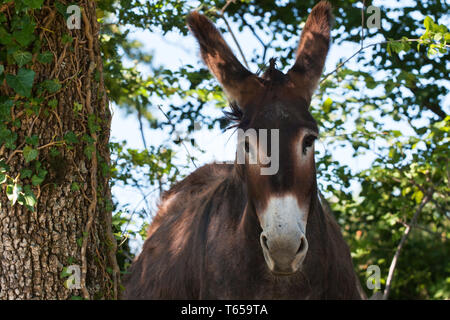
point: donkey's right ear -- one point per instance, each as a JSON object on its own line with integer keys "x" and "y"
{"x": 312, "y": 49}
{"x": 239, "y": 83}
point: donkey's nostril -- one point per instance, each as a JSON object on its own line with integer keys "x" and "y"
{"x": 302, "y": 246}
{"x": 264, "y": 241}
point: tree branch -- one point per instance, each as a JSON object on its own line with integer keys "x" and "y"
{"x": 361, "y": 49}
{"x": 411, "y": 224}
{"x": 265, "y": 47}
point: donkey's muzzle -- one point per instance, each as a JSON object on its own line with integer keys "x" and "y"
{"x": 284, "y": 256}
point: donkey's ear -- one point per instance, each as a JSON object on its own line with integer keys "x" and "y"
{"x": 312, "y": 49}
{"x": 239, "y": 83}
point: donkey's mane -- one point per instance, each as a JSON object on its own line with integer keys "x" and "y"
{"x": 235, "y": 116}
{"x": 271, "y": 76}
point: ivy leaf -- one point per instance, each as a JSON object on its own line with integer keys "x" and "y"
{"x": 3, "y": 166}
{"x": 36, "y": 180}
{"x": 2, "y": 68}
{"x": 33, "y": 140}
{"x": 53, "y": 103}
{"x": 22, "y": 57}
{"x": 22, "y": 82}
{"x": 25, "y": 36}
{"x": 62, "y": 9}
{"x": 64, "y": 273}
{"x": 75, "y": 186}
{"x": 33, "y": 4}
{"x": 26, "y": 173}
{"x": 29, "y": 199}
{"x": 45, "y": 57}
{"x": 51, "y": 86}
{"x": 29, "y": 153}
{"x": 70, "y": 137}
{"x": 5, "y": 110}
{"x": 88, "y": 150}
{"x": 2, "y": 178}
{"x": 13, "y": 192}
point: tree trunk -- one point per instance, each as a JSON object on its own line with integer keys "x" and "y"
{"x": 54, "y": 151}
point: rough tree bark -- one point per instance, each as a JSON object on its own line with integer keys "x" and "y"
{"x": 71, "y": 222}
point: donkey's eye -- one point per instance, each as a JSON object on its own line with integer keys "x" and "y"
{"x": 308, "y": 141}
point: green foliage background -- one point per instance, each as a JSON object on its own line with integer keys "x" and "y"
{"x": 388, "y": 107}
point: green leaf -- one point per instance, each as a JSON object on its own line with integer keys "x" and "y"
{"x": 40, "y": 175}
{"x": 22, "y": 82}
{"x": 418, "y": 196}
{"x": 431, "y": 52}
{"x": 64, "y": 273}
{"x": 77, "y": 107}
{"x": 5, "y": 110}
{"x": 2, "y": 68}
{"x": 12, "y": 192}
{"x": 35, "y": 180}
{"x": 88, "y": 150}
{"x": 437, "y": 36}
{"x": 70, "y": 137}
{"x": 396, "y": 133}
{"x": 45, "y": 57}
{"x": 33, "y": 140}
{"x": 53, "y": 103}
{"x": 75, "y": 186}
{"x": 29, "y": 153}
{"x": 93, "y": 123}
{"x": 427, "y": 22}
{"x": 26, "y": 173}
{"x": 29, "y": 198}
{"x": 2, "y": 178}
{"x": 327, "y": 105}
{"x": 22, "y": 57}
{"x": 66, "y": 39}
{"x": 25, "y": 36}
{"x": 51, "y": 86}
{"x": 33, "y": 4}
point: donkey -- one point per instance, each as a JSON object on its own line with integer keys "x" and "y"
{"x": 229, "y": 232}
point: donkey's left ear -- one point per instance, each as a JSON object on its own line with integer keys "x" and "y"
{"x": 312, "y": 49}
{"x": 239, "y": 83}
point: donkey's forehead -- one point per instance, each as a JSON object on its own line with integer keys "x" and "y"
{"x": 280, "y": 113}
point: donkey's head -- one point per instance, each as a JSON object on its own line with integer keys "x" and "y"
{"x": 280, "y": 198}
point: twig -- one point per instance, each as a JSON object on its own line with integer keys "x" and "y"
{"x": 361, "y": 49}
{"x": 412, "y": 223}
{"x": 265, "y": 47}
{"x": 351, "y": 57}
{"x": 435, "y": 234}
{"x": 235, "y": 40}
{"x": 141, "y": 127}
{"x": 144, "y": 198}
{"x": 6, "y": 6}
{"x": 362, "y": 23}
{"x": 181, "y": 140}
{"x": 222, "y": 11}
{"x": 221, "y": 14}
